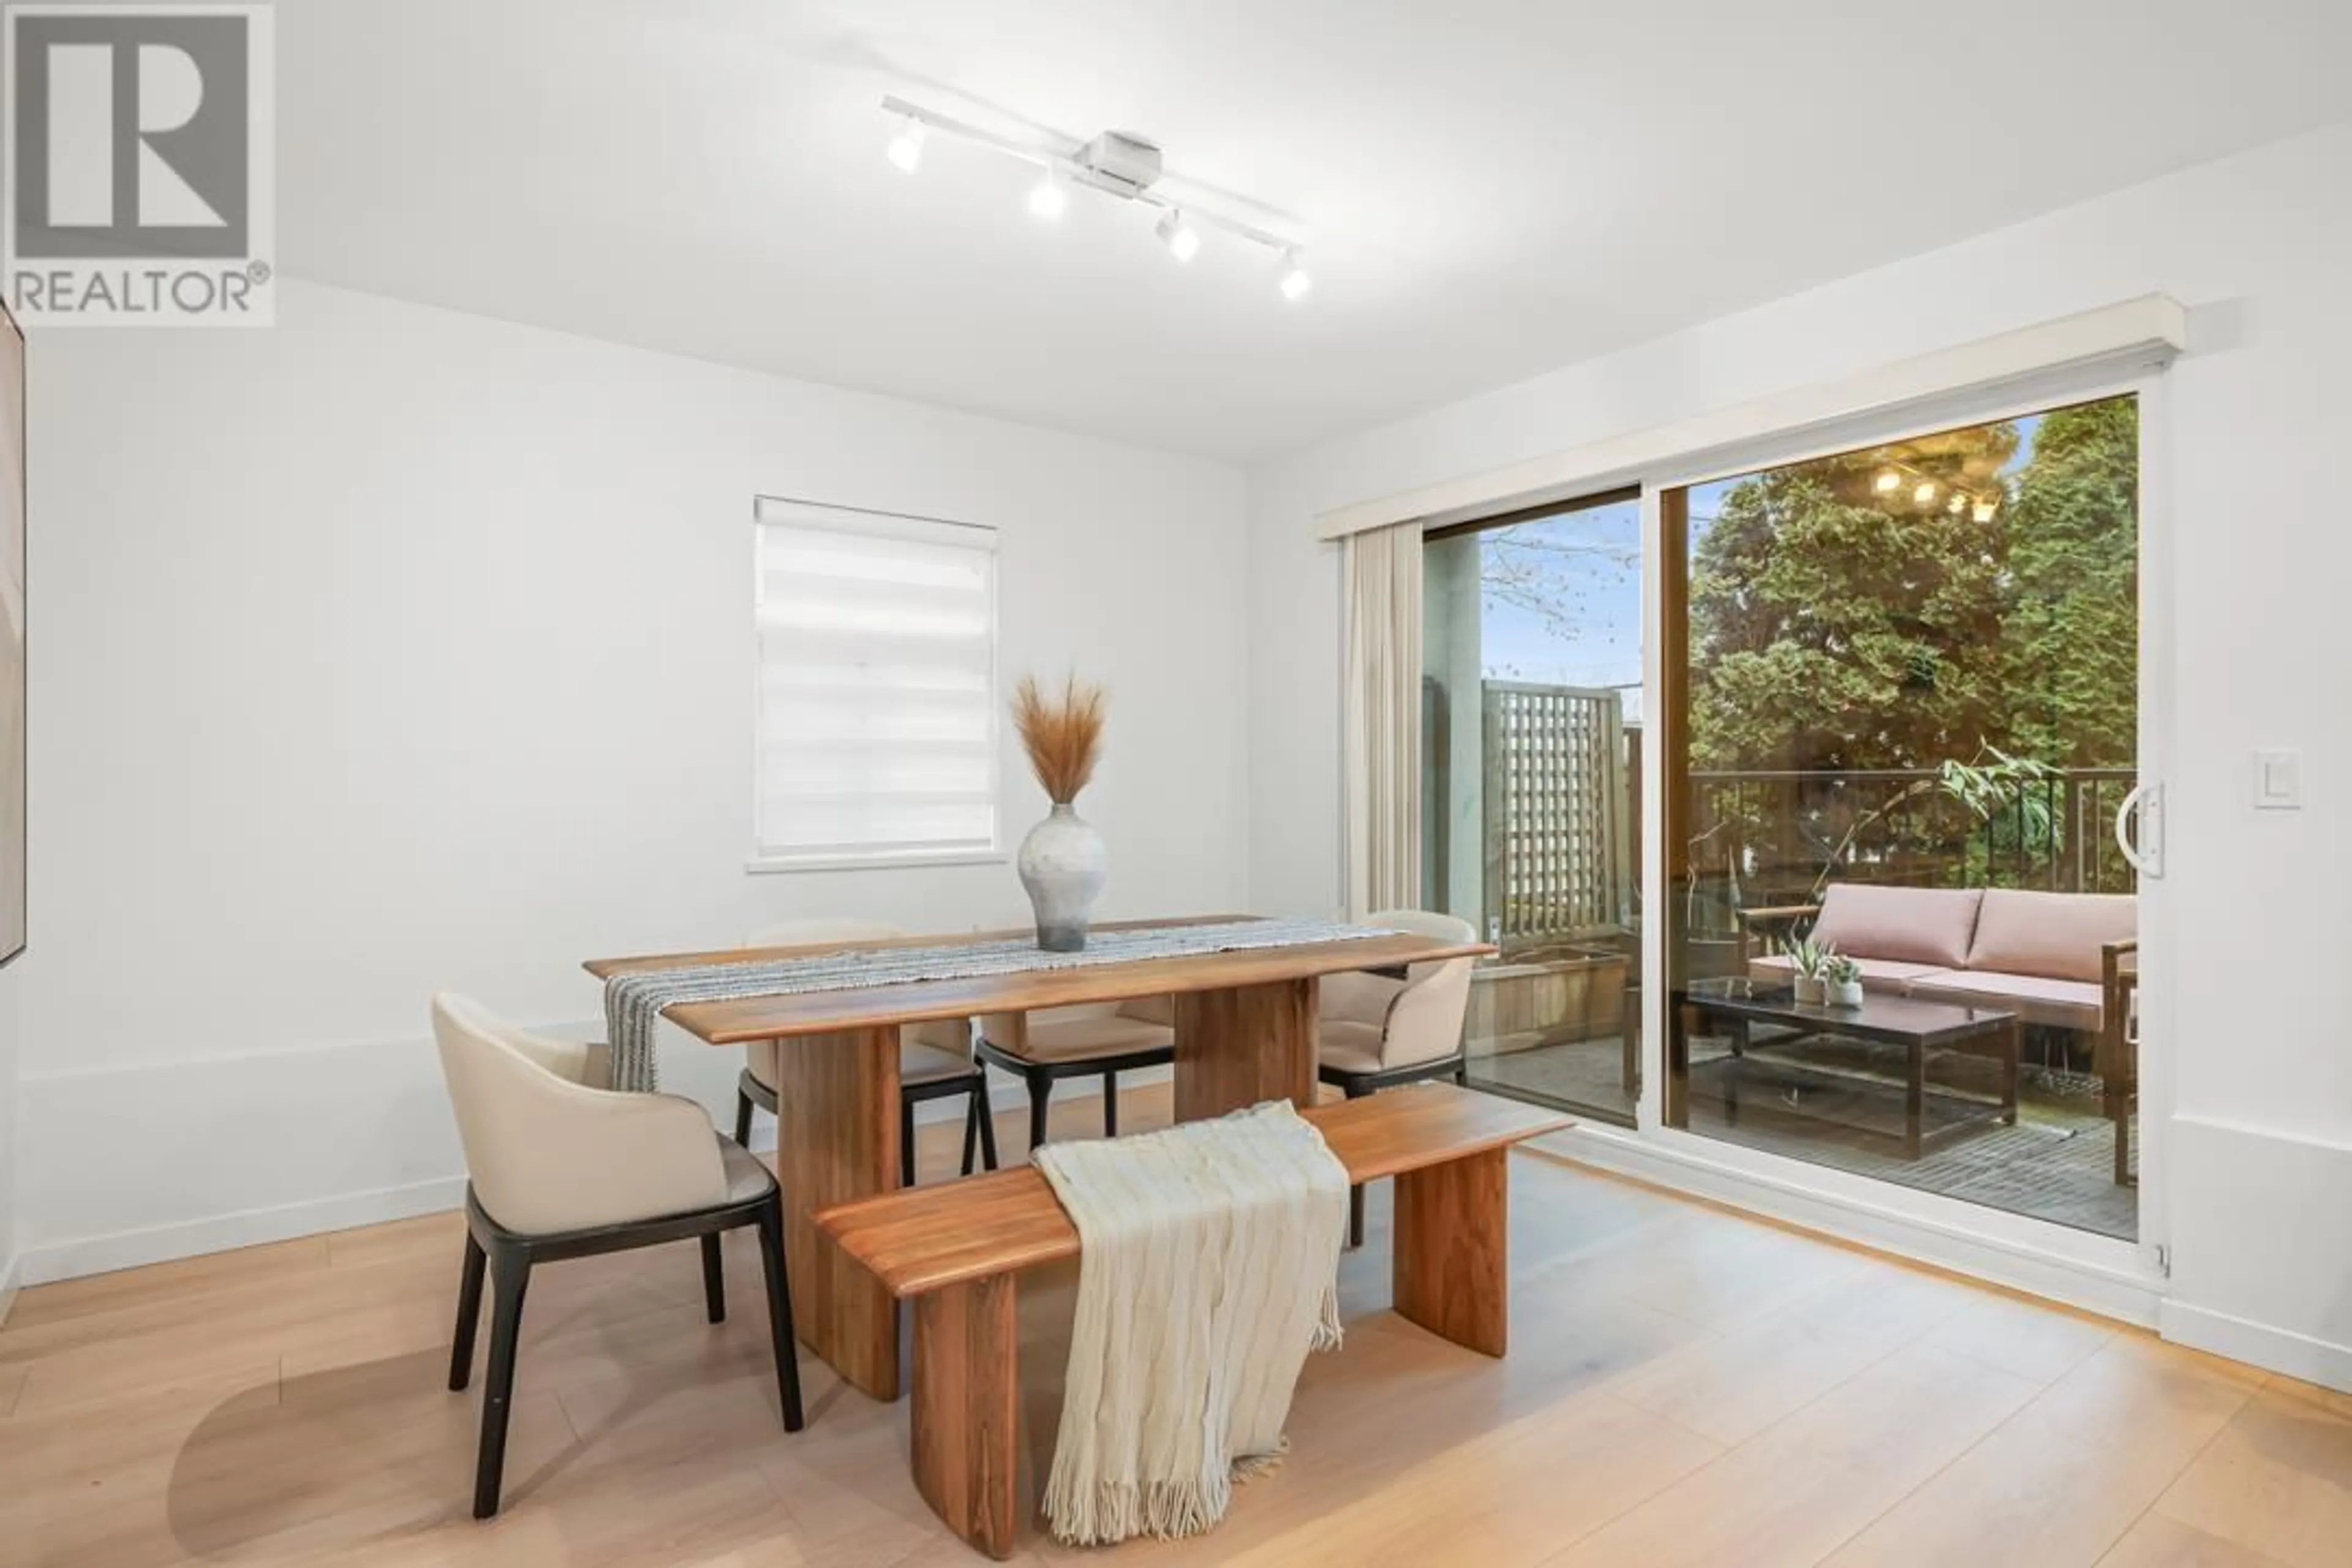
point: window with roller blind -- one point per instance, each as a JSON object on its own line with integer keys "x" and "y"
{"x": 877, "y": 723}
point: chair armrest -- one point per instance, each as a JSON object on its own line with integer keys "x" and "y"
{"x": 1357, "y": 996}
{"x": 564, "y": 1157}
{"x": 1424, "y": 1018}
{"x": 1150, "y": 1009}
{"x": 2113, "y": 1055}
{"x": 1772, "y": 923}
{"x": 1777, "y": 914}
{"x": 951, "y": 1035}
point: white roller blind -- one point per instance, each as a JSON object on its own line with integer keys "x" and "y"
{"x": 877, "y": 685}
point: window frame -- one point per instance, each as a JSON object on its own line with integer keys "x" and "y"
{"x": 872, "y": 522}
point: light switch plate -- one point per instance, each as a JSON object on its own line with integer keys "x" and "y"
{"x": 2278, "y": 779}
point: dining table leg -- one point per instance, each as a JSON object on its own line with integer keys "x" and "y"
{"x": 838, "y": 1138}
{"x": 1238, "y": 1045}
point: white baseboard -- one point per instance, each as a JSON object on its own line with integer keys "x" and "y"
{"x": 2048, "y": 1274}
{"x": 227, "y": 1232}
{"x": 2280, "y": 1350}
{"x": 11, "y": 1280}
{"x": 2260, "y": 1256}
{"x": 111, "y": 1148}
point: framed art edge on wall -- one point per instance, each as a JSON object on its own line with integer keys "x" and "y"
{"x": 15, "y": 771}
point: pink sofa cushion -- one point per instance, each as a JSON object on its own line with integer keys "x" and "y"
{"x": 1904, "y": 925}
{"x": 2057, "y": 935}
{"x": 2034, "y": 998}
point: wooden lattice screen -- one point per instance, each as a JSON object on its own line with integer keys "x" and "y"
{"x": 1556, "y": 829}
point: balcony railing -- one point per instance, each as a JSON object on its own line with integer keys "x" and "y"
{"x": 1772, "y": 837}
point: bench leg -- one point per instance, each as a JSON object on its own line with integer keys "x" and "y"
{"x": 966, "y": 1399}
{"x": 1451, "y": 1249}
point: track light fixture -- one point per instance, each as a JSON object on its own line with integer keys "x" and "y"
{"x": 1121, "y": 165}
{"x": 1295, "y": 279}
{"x": 1049, "y": 199}
{"x": 906, "y": 147}
{"x": 1182, "y": 240}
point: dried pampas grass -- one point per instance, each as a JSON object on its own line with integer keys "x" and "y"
{"x": 1062, "y": 735}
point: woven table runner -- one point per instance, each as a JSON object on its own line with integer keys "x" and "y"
{"x": 633, "y": 1002}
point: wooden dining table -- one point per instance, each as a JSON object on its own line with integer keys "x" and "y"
{"x": 1244, "y": 1025}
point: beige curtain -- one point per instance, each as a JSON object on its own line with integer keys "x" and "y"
{"x": 1381, "y": 732}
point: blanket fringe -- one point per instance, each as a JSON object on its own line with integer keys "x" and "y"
{"x": 1111, "y": 1511}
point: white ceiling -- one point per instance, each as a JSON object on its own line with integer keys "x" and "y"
{"x": 1495, "y": 187}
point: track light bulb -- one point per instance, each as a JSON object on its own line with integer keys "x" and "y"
{"x": 1182, "y": 240}
{"x": 1925, "y": 494}
{"x": 906, "y": 147}
{"x": 1295, "y": 279}
{"x": 1050, "y": 196}
{"x": 1889, "y": 482}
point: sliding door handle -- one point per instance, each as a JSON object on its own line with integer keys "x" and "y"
{"x": 2143, "y": 808}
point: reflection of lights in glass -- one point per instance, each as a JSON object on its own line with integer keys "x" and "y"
{"x": 1889, "y": 482}
{"x": 1985, "y": 509}
{"x": 1958, "y": 504}
{"x": 1925, "y": 494}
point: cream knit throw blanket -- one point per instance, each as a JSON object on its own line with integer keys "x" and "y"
{"x": 1209, "y": 1267}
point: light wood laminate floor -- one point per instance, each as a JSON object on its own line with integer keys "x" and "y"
{"x": 1684, "y": 1387}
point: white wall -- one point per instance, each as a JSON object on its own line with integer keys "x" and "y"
{"x": 2261, "y": 1156}
{"x": 392, "y": 650}
{"x": 8, "y": 1139}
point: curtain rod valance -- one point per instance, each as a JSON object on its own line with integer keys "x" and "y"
{"x": 2137, "y": 333}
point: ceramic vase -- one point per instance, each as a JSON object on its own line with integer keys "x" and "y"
{"x": 1845, "y": 993}
{"x": 1062, "y": 864}
{"x": 1808, "y": 990}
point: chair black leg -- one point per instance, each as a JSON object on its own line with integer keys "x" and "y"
{"x": 510, "y": 1273}
{"x": 714, "y": 1279}
{"x": 987, "y": 1115}
{"x": 906, "y": 1142}
{"x": 742, "y": 1119}
{"x": 1110, "y": 1105}
{"x": 1041, "y": 1089}
{"x": 469, "y": 1313}
{"x": 971, "y": 1130}
{"x": 780, "y": 1312}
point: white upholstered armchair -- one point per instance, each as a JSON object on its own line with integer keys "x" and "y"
{"x": 1375, "y": 1030}
{"x": 561, "y": 1166}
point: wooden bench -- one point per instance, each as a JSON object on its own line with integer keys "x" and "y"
{"x": 955, "y": 1250}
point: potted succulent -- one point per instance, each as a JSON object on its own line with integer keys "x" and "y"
{"x": 1809, "y": 965}
{"x": 1842, "y": 981}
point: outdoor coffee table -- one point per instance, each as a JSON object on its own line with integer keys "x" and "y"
{"x": 1916, "y": 1026}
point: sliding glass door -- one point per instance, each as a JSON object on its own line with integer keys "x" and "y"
{"x": 1531, "y": 717}
{"x": 1901, "y": 692}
